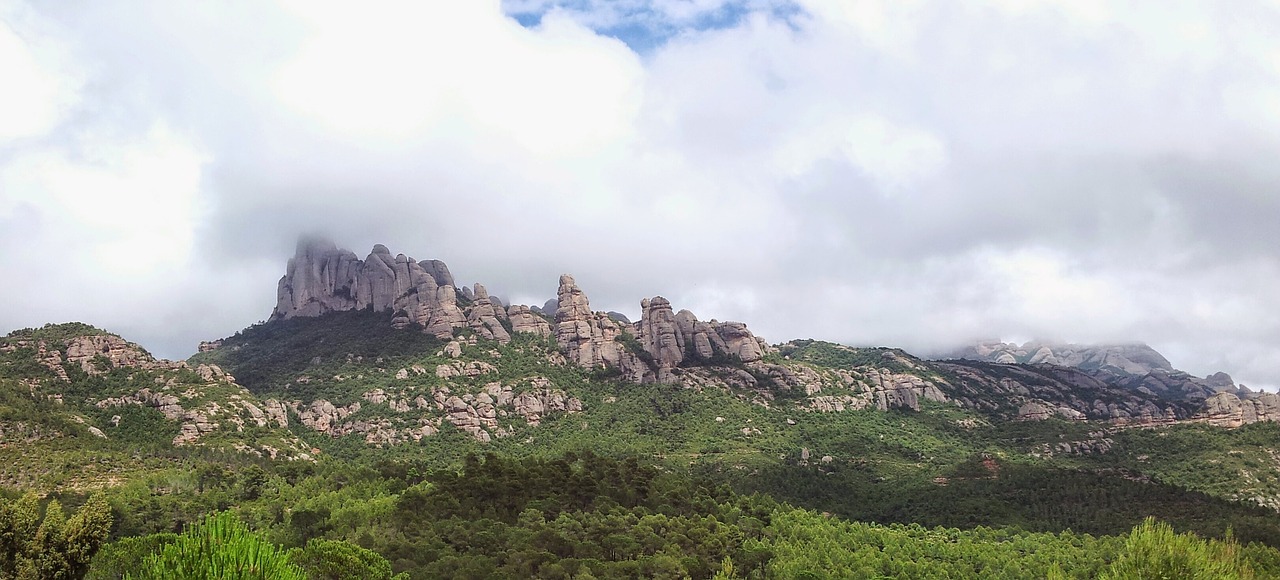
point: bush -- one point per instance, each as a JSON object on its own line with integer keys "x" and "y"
{"x": 334, "y": 560}
{"x": 220, "y": 547}
{"x": 1154, "y": 551}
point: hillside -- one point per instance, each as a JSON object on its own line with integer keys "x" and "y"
{"x": 861, "y": 456}
{"x": 81, "y": 407}
{"x": 376, "y": 392}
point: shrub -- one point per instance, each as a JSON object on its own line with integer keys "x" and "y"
{"x": 220, "y": 547}
{"x": 1155, "y": 551}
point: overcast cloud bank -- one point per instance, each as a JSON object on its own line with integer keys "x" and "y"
{"x": 917, "y": 174}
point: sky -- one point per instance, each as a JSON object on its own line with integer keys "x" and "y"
{"x": 912, "y": 173}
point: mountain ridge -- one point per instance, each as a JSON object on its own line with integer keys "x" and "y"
{"x": 673, "y": 347}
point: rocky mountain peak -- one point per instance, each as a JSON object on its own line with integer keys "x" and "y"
{"x": 1121, "y": 359}
{"x": 322, "y": 278}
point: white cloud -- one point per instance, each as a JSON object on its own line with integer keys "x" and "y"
{"x": 36, "y": 96}
{"x": 885, "y": 172}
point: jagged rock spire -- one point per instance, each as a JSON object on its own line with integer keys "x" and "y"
{"x": 322, "y": 278}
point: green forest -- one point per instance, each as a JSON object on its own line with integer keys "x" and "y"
{"x": 579, "y": 515}
{"x": 647, "y": 481}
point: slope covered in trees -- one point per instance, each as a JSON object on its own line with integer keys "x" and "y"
{"x": 633, "y": 480}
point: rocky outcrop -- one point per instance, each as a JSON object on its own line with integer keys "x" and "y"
{"x": 196, "y": 422}
{"x": 702, "y": 340}
{"x": 1040, "y": 410}
{"x": 169, "y": 405}
{"x": 1033, "y": 392}
{"x": 47, "y": 357}
{"x": 118, "y": 352}
{"x": 878, "y": 388}
{"x": 209, "y": 345}
{"x": 322, "y": 278}
{"x": 674, "y": 339}
{"x": 486, "y": 318}
{"x": 1098, "y": 443}
{"x": 548, "y": 308}
{"x": 1170, "y": 384}
{"x": 94, "y": 354}
{"x": 322, "y": 415}
{"x": 590, "y": 339}
{"x": 739, "y": 341}
{"x": 523, "y": 319}
{"x": 660, "y": 336}
{"x": 438, "y": 272}
{"x": 892, "y": 390}
{"x": 1135, "y": 367}
{"x": 1230, "y": 410}
{"x": 417, "y": 415}
{"x": 464, "y": 369}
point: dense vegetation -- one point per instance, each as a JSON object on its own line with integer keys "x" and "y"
{"x": 582, "y": 515}
{"x": 647, "y": 481}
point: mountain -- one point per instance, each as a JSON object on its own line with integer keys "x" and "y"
{"x": 1138, "y": 368}
{"x": 1121, "y": 359}
{"x": 1123, "y": 383}
{"x": 377, "y": 383}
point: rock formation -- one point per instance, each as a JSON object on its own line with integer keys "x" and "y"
{"x": 1229, "y": 410}
{"x": 523, "y": 319}
{"x": 660, "y": 336}
{"x": 1038, "y": 391}
{"x": 486, "y": 318}
{"x": 322, "y": 278}
{"x": 82, "y": 350}
{"x": 671, "y": 338}
{"x": 1135, "y": 367}
{"x": 590, "y": 339}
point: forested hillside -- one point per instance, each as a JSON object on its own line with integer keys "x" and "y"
{"x": 398, "y": 452}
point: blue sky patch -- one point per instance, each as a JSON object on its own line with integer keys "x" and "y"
{"x": 646, "y": 25}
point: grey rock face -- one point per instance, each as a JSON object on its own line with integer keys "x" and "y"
{"x": 486, "y": 318}
{"x": 1040, "y": 391}
{"x": 1229, "y": 410}
{"x": 524, "y": 320}
{"x": 660, "y": 333}
{"x": 322, "y": 278}
{"x": 590, "y": 339}
{"x": 739, "y": 341}
{"x": 438, "y": 272}
{"x": 1136, "y": 367}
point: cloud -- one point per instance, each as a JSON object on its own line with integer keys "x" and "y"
{"x": 915, "y": 173}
